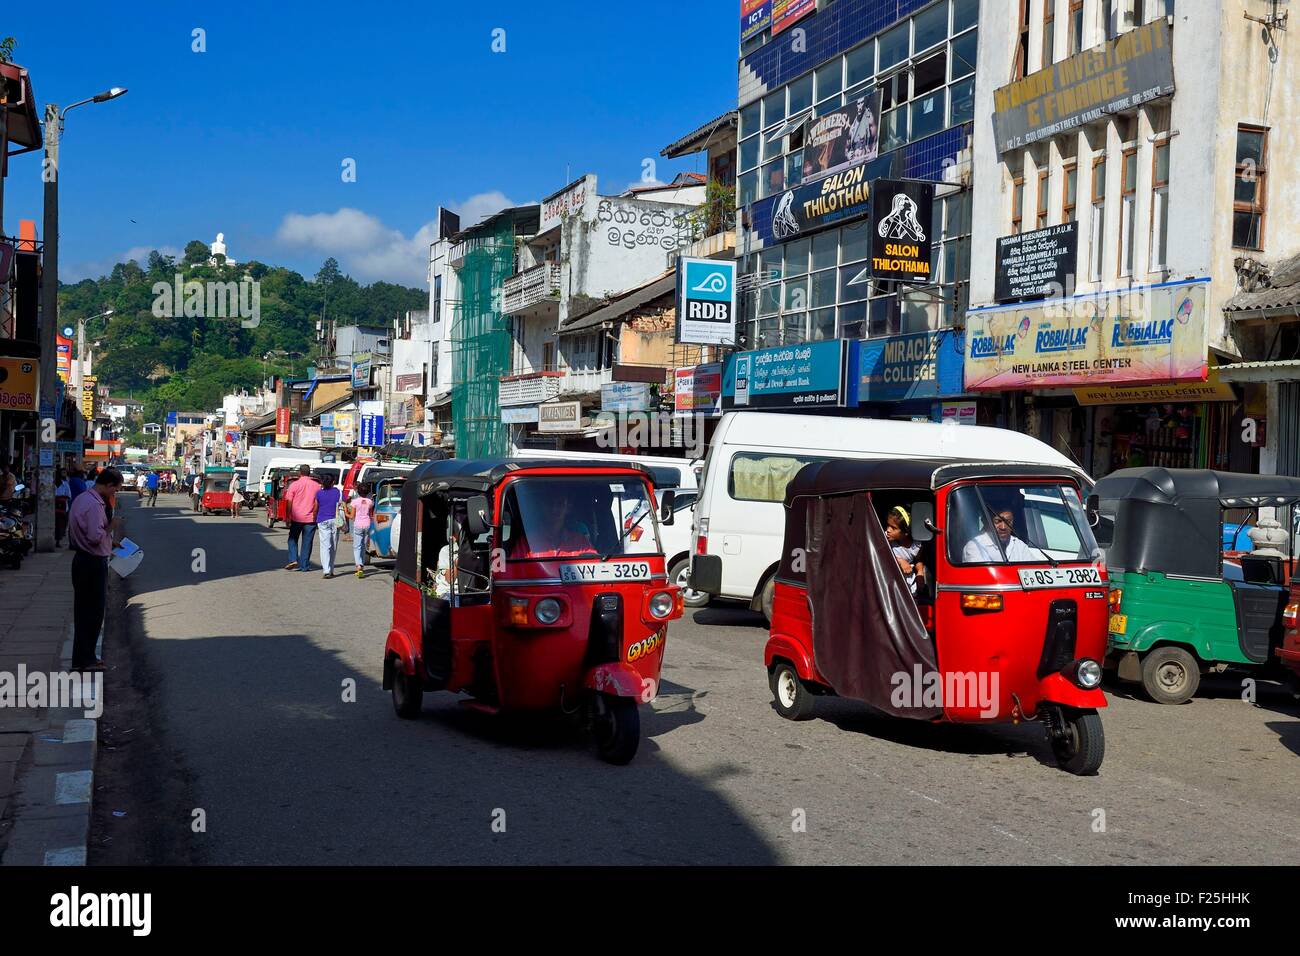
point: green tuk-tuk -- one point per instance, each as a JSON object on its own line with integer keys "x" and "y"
{"x": 1177, "y": 608}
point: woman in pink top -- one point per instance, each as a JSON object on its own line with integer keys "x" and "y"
{"x": 359, "y": 511}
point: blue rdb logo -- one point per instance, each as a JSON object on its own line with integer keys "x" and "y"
{"x": 711, "y": 281}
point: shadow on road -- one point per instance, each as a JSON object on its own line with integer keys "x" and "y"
{"x": 729, "y": 615}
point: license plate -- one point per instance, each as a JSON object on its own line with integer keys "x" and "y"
{"x": 584, "y": 571}
{"x": 1059, "y": 577}
{"x": 1118, "y": 623}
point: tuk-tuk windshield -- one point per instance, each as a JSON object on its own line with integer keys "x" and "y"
{"x": 1010, "y": 523}
{"x": 578, "y": 516}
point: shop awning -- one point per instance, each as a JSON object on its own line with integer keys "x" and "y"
{"x": 1285, "y": 370}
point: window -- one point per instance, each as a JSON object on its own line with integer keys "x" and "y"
{"x": 1017, "y": 524}
{"x": 1017, "y": 203}
{"x": 1098, "y": 225}
{"x": 1128, "y": 207}
{"x": 1250, "y": 189}
{"x": 860, "y": 63}
{"x": 1049, "y": 32}
{"x": 548, "y": 356}
{"x": 1160, "y": 207}
{"x": 830, "y": 78}
{"x": 801, "y": 94}
{"x": 1040, "y": 221}
{"x": 1110, "y": 18}
{"x": 755, "y": 477}
{"x": 750, "y": 120}
{"x": 1076, "y": 27}
{"x": 963, "y": 58}
{"x": 894, "y": 46}
{"x": 1020, "y": 67}
{"x": 964, "y": 14}
{"x": 774, "y": 107}
{"x": 1070, "y": 194}
{"x": 930, "y": 27}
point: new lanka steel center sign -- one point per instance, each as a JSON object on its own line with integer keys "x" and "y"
{"x": 1130, "y": 70}
{"x": 1145, "y": 334}
{"x": 706, "y": 301}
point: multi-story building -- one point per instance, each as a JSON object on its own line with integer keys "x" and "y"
{"x": 838, "y": 104}
{"x": 1125, "y": 208}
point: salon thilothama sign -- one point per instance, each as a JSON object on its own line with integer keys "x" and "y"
{"x": 1144, "y": 334}
{"x": 1132, "y": 69}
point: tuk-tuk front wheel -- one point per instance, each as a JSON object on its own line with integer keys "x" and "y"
{"x": 1078, "y": 741}
{"x": 408, "y": 693}
{"x": 617, "y": 728}
{"x": 1170, "y": 675}
{"x": 791, "y": 696}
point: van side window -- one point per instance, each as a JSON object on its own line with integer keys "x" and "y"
{"x": 757, "y": 477}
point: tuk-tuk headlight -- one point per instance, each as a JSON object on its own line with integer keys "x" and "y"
{"x": 1087, "y": 674}
{"x": 661, "y": 605}
{"x": 547, "y": 611}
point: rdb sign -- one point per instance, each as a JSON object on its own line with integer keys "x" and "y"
{"x": 706, "y": 301}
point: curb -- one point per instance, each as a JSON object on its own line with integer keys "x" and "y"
{"x": 52, "y": 805}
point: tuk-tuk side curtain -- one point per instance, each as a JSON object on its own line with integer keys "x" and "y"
{"x": 866, "y": 626}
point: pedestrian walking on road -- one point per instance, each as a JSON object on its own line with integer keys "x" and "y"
{"x": 300, "y": 502}
{"x": 359, "y": 511}
{"x": 76, "y": 482}
{"x": 236, "y": 497}
{"x": 327, "y": 510}
{"x": 92, "y": 531}
{"x": 196, "y": 490}
{"x": 151, "y": 481}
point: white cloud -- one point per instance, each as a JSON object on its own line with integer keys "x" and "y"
{"x": 96, "y": 268}
{"x": 369, "y": 250}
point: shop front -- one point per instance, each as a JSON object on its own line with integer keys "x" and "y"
{"x": 1112, "y": 379}
{"x": 916, "y": 377}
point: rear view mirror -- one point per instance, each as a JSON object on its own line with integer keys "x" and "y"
{"x": 477, "y": 515}
{"x": 666, "y": 507}
{"x": 922, "y": 525}
{"x": 1092, "y": 508}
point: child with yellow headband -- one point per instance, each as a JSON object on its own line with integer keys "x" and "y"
{"x": 898, "y": 529}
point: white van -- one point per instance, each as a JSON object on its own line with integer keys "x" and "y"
{"x": 739, "y": 519}
{"x": 679, "y": 474}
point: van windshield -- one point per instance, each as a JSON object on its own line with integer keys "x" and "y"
{"x": 1010, "y": 523}
{"x": 577, "y": 517}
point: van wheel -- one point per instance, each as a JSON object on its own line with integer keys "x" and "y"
{"x": 766, "y": 598}
{"x": 1170, "y": 675}
{"x": 793, "y": 700}
{"x": 618, "y": 729}
{"x": 408, "y": 694}
{"x": 678, "y": 574}
{"x": 1080, "y": 749}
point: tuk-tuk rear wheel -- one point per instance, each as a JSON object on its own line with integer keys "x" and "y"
{"x": 791, "y": 697}
{"x": 1170, "y": 675}
{"x": 617, "y": 728}
{"x": 408, "y": 694}
{"x": 1081, "y": 743}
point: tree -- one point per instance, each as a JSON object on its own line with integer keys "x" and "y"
{"x": 196, "y": 252}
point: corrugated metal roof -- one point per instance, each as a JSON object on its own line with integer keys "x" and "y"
{"x": 1283, "y": 291}
{"x": 1279, "y": 370}
{"x": 697, "y": 139}
{"x": 628, "y": 302}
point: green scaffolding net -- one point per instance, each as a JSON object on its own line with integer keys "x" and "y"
{"x": 481, "y": 343}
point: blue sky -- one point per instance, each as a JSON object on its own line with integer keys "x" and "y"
{"x": 249, "y": 137}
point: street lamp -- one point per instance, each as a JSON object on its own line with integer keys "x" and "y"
{"x": 81, "y": 348}
{"x": 46, "y": 433}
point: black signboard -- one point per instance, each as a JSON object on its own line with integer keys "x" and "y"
{"x": 1036, "y": 264}
{"x": 901, "y": 213}
{"x": 842, "y": 195}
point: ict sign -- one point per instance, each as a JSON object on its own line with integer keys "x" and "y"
{"x": 706, "y": 301}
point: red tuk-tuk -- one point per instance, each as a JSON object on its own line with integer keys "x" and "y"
{"x": 994, "y": 610}
{"x": 217, "y": 495}
{"x": 1289, "y": 651}
{"x": 523, "y": 584}
{"x": 277, "y": 480}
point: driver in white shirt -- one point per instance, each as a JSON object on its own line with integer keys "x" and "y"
{"x": 981, "y": 549}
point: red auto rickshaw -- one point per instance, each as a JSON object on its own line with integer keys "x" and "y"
{"x": 217, "y": 495}
{"x": 994, "y": 610}
{"x": 278, "y": 480}
{"x": 524, "y": 584}
{"x": 1289, "y": 651}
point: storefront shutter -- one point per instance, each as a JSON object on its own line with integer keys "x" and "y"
{"x": 1288, "y": 428}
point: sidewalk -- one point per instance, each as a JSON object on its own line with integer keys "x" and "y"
{"x": 47, "y": 756}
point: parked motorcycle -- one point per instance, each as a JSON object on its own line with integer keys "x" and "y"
{"x": 15, "y": 537}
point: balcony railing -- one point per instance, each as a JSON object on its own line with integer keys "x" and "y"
{"x": 538, "y": 284}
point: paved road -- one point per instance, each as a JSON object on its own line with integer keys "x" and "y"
{"x": 252, "y": 661}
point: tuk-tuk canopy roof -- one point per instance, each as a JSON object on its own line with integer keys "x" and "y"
{"x": 1170, "y": 519}
{"x": 1166, "y": 486}
{"x": 481, "y": 474}
{"x": 845, "y": 476}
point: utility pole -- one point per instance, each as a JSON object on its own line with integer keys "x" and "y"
{"x": 46, "y": 433}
